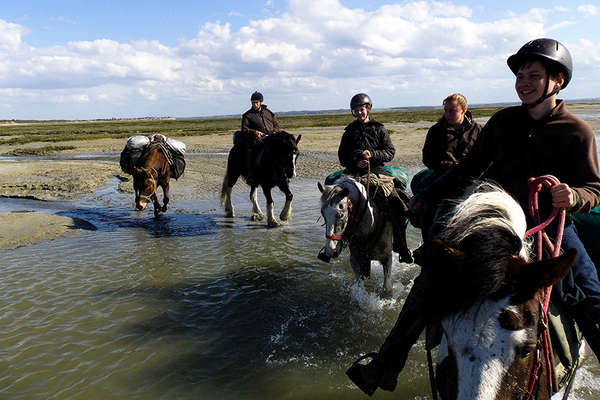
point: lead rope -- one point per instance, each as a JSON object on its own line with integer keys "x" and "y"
{"x": 542, "y": 239}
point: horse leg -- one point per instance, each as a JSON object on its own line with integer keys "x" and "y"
{"x": 156, "y": 204}
{"x": 271, "y": 221}
{"x": 386, "y": 262}
{"x": 360, "y": 266}
{"x": 231, "y": 176}
{"x": 286, "y": 212}
{"x": 257, "y": 214}
{"x": 165, "y": 189}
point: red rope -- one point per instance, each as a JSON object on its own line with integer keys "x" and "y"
{"x": 542, "y": 239}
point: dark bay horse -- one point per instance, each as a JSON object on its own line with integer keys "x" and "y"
{"x": 351, "y": 218}
{"x": 274, "y": 164}
{"x": 153, "y": 172}
{"x": 490, "y": 294}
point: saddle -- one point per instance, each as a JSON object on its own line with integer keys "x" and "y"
{"x": 138, "y": 147}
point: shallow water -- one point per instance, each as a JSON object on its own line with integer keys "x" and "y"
{"x": 194, "y": 305}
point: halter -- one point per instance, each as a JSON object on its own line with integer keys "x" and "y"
{"x": 543, "y": 351}
{"x": 149, "y": 197}
{"x": 350, "y": 219}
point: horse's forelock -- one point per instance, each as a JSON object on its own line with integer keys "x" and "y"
{"x": 487, "y": 228}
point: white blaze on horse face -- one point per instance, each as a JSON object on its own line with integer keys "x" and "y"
{"x": 329, "y": 214}
{"x": 484, "y": 350}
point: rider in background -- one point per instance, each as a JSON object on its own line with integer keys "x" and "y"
{"x": 450, "y": 139}
{"x": 447, "y": 142}
{"x": 539, "y": 137}
{"x": 257, "y": 122}
{"x": 366, "y": 146}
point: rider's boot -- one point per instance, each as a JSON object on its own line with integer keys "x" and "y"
{"x": 589, "y": 327}
{"x": 382, "y": 371}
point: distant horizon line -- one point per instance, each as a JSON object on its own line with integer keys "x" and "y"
{"x": 282, "y": 113}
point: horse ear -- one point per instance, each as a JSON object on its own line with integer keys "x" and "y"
{"x": 298, "y": 138}
{"x": 540, "y": 274}
{"x": 321, "y": 188}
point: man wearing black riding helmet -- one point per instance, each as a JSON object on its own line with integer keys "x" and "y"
{"x": 539, "y": 137}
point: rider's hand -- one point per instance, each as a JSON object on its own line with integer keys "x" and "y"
{"x": 562, "y": 196}
{"x": 259, "y": 134}
{"x": 366, "y": 154}
{"x": 363, "y": 164}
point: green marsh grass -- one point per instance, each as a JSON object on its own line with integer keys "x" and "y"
{"x": 62, "y": 131}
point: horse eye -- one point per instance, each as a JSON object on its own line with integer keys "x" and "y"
{"x": 526, "y": 349}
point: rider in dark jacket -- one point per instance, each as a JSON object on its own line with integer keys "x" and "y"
{"x": 366, "y": 146}
{"x": 450, "y": 139}
{"x": 257, "y": 122}
{"x": 537, "y": 138}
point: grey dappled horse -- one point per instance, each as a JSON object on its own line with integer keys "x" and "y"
{"x": 351, "y": 218}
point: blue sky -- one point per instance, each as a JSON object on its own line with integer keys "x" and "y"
{"x": 80, "y": 60}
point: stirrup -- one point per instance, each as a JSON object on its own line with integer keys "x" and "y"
{"x": 356, "y": 376}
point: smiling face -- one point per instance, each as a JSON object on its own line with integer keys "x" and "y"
{"x": 531, "y": 81}
{"x": 361, "y": 113}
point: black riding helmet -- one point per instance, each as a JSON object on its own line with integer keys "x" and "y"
{"x": 256, "y": 96}
{"x": 553, "y": 54}
{"x": 359, "y": 100}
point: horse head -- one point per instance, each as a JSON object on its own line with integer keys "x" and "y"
{"x": 492, "y": 327}
{"x": 283, "y": 148}
{"x": 336, "y": 209}
{"x": 145, "y": 182}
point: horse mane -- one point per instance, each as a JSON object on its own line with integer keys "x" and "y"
{"x": 488, "y": 227}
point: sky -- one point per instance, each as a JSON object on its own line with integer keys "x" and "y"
{"x": 76, "y": 59}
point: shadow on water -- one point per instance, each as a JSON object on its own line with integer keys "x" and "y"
{"x": 113, "y": 218}
{"x": 251, "y": 332}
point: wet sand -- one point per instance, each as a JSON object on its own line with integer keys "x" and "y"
{"x": 73, "y": 179}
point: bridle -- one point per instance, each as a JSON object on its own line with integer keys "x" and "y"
{"x": 155, "y": 184}
{"x": 351, "y": 220}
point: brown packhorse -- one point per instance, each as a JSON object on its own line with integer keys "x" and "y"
{"x": 154, "y": 172}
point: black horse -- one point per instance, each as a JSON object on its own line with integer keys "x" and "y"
{"x": 273, "y": 163}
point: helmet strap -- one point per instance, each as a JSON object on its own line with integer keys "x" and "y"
{"x": 547, "y": 95}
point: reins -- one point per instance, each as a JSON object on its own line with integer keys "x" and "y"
{"x": 543, "y": 348}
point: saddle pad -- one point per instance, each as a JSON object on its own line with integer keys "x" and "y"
{"x": 588, "y": 229}
{"x": 400, "y": 176}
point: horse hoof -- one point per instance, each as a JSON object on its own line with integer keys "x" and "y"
{"x": 229, "y": 214}
{"x": 273, "y": 223}
{"x": 257, "y": 217}
{"x": 285, "y": 217}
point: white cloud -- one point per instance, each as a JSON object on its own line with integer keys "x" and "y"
{"x": 10, "y": 35}
{"x": 589, "y": 10}
{"x": 315, "y": 53}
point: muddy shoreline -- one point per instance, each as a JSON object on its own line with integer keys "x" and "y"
{"x": 72, "y": 179}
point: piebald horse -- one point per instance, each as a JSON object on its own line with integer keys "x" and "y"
{"x": 155, "y": 171}
{"x": 490, "y": 294}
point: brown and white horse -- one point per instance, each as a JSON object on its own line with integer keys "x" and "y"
{"x": 490, "y": 296}
{"x": 155, "y": 171}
